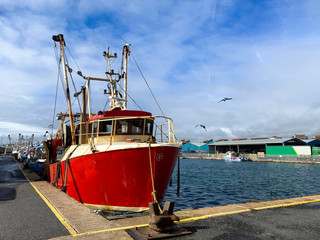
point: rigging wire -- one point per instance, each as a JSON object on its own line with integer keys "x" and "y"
{"x": 73, "y": 102}
{"x": 62, "y": 83}
{"x": 58, "y": 59}
{"x": 74, "y": 86}
{"x": 72, "y": 78}
{"x": 66, "y": 112}
{"x": 73, "y": 59}
{"x": 55, "y": 99}
{"x": 147, "y": 83}
{"x": 149, "y": 90}
{"x": 75, "y": 90}
{"x": 55, "y": 106}
{"x": 106, "y": 104}
{"x": 130, "y": 97}
{"x": 90, "y": 101}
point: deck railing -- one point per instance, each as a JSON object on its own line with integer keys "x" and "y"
{"x": 164, "y": 130}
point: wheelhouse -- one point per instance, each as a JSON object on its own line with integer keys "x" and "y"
{"x": 121, "y": 126}
{"x": 120, "y": 129}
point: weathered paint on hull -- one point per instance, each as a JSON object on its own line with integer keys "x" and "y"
{"x": 119, "y": 179}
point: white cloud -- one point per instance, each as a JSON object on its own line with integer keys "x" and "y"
{"x": 14, "y": 129}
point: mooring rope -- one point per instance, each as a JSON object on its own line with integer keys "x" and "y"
{"x": 66, "y": 163}
{"x": 152, "y": 180}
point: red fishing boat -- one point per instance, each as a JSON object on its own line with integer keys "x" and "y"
{"x": 116, "y": 159}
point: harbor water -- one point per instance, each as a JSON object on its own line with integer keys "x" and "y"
{"x": 208, "y": 183}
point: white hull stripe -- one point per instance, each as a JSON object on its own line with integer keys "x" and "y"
{"x": 85, "y": 149}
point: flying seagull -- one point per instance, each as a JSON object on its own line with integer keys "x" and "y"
{"x": 203, "y": 126}
{"x": 225, "y": 99}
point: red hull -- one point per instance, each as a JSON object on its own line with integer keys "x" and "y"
{"x": 119, "y": 178}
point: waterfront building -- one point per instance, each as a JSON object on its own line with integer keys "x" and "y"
{"x": 253, "y": 145}
{"x": 313, "y": 142}
{"x": 195, "y": 147}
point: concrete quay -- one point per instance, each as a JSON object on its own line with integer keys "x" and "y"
{"x": 38, "y": 210}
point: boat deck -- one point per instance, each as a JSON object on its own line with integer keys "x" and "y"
{"x": 33, "y": 209}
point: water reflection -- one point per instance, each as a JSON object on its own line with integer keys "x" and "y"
{"x": 7, "y": 193}
{"x": 207, "y": 183}
{"x": 10, "y": 177}
{"x": 10, "y": 171}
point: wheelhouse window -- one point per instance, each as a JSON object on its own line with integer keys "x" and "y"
{"x": 122, "y": 127}
{"x": 95, "y": 128}
{"x": 92, "y": 129}
{"x": 105, "y": 128}
{"x": 136, "y": 126}
{"x": 148, "y": 127}
{"x": 89, "y": 129}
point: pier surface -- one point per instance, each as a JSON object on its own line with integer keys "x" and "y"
{"x": 33, "y": 209}
{"x": 23, "y": 213}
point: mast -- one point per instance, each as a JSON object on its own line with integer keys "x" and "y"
{"x": 110, "y": 73}
{"x": 20, "y": 140}
{"x": 59, "y": 38}
{"x": 116, "y": 101}
{"x": 31, "y": 140}
{"x": 126, "y": 51}
{"x": 8, "y": 145}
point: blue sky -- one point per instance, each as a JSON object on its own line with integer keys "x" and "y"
{"x": 263, "y": 54}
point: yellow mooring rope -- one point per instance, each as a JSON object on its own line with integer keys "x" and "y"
{"x": 152, "y": 180}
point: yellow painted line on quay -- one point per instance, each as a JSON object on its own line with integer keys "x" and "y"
{"x": 111, "y": 230}
{"x": 214, "y": 215}
{"x": 55, "y": 212}
{"x": 52, "y": 208}
{"x": 286, "y": 204}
